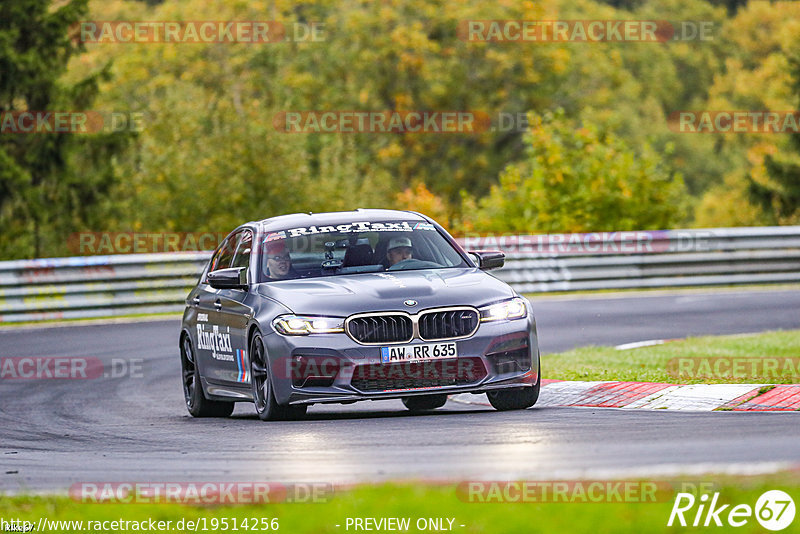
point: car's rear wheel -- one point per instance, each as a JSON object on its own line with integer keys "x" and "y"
{"x": 516, "y": 399}
{"x": 267, "y": 407}
{"x": 196, "y": 401}
{"x": 424, "y": 402}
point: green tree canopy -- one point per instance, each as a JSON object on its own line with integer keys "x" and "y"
{"x": 577, "y": 180}
{"x": 49, "y": 182}
{"x": 780, "y": 196}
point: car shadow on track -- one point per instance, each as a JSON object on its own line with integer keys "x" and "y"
{"x": 327, "y": 414}
{"x": 382, "y": 414}
{"x": 363, "y": 414}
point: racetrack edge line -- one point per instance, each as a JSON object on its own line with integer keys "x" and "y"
{"x": 655, "y": 396}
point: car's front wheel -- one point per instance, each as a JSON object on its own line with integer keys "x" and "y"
{"x": 516, "y": 399}
{"x": 267, "y": 407}
{"x": 196, "y": 401}
{"x": 424, "y": 402}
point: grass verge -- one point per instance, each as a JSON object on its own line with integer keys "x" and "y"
{"x": 423, "y": 501}
{"x": 766, "y": 358}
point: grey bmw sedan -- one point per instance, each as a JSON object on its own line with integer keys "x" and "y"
{"x": 349, "y": 306}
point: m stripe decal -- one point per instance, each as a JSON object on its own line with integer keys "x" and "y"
{"x": 241, "y": 362}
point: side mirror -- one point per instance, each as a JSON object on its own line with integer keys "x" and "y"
{"x": 232, "y": 278}
{"x": 488, "y": 259}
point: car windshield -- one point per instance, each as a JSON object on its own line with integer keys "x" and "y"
{"x": 357, "y": 247}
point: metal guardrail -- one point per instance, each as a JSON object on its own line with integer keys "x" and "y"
{"x": 629, "y": 260}
{"x": 97, "y": 286}
{"x": 102, "y": 286}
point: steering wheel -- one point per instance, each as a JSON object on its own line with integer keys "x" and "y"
{"x": 413, "y": 263}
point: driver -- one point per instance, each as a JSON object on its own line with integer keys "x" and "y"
{"x": 399, "y": 249}
{"x": 279, "y": 263}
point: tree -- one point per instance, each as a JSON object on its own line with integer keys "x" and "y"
{"x": 210, "y": 152}
{"x": 578, "y": 179}
{"x": 43, "y": 193}
{"x": 757, "y": 76}
{"x": 420, "y": 199}
{"x": 780, "y": 195}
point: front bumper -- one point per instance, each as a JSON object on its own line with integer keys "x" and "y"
{"x": 334, "y": 368}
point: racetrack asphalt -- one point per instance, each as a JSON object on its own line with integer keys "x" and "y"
{"x": 54, "y": 433}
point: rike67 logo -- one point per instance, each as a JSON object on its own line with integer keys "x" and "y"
{"x": 774, "y": 510}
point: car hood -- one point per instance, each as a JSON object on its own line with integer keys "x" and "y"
{"x": 347, "y": 294}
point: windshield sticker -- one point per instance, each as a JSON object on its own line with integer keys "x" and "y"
{"x": 274, "y": 236}
{"x": 352, "y": 227}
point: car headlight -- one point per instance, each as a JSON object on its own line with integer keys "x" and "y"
{"x": 303, "y": 325}
{"x": 508, "y": 309}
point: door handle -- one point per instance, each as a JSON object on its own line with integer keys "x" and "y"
{"x": 196, "y": 301}
{"x": 218, "y": 305}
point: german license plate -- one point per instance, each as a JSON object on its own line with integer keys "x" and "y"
{"x": 421, "y": 352}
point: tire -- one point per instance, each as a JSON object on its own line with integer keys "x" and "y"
{"x": 196, "y": 401}
{"x": 516, "y": 399}
{"x": 267, "y": 407}
{"x": 425, "y": 402}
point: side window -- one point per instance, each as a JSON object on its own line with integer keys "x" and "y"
{"x": 242, "y": 256}
{"x": 215, "y": 260}
{"x": 222, "y": 259}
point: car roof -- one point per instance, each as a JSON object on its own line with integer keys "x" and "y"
{"x": 333, "y": 218}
